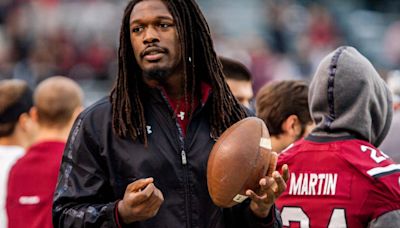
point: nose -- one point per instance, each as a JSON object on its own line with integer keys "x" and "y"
{"x": 150, "y": 36}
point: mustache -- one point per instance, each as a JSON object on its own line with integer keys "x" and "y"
{"x": 151, "y": 49}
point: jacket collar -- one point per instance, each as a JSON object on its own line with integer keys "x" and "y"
{"x": 157, "y": 93}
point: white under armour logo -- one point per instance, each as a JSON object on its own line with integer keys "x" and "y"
{"x": 181, "y": 115}
{"x": 149, "y": 131}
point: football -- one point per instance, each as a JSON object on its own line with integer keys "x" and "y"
{"x": 237, "y": 161}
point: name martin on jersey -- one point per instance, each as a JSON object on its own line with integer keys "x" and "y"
{"x": 313, "y": 184}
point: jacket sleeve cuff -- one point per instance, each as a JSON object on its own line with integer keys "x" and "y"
{"x": 266, "y": 222}
{"x": 118, "y": 220}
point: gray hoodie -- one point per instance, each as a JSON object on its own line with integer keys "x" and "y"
{"x": 348, "y": 97}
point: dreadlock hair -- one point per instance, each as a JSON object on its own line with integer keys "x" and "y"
{"x": 200, "y": 63}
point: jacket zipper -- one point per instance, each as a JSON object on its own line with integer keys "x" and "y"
{"x": 184, "y": 164}
{"x": 185, "y": 176}
{"x": 183, "y": 154}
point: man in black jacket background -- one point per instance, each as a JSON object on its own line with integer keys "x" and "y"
{"x": 139, "y": 158}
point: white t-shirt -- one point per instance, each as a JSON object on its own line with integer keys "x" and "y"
{"x": 8, "y": 156}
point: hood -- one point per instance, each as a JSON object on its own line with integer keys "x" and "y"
{"x": 348, "y": 97}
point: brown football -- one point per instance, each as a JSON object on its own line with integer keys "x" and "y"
{"x": 238, "y": 160}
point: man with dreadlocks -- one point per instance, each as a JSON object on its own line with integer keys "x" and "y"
{"x": 139, "y": 158}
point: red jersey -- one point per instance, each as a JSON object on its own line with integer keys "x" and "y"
{"x": 342, "y": 183}
{"x": 31, "y": 186}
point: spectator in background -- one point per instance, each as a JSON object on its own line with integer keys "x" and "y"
{"x": 57, "y": 102}
{"x": 16, "y": 131}
{"x": 238, "y": 78}
{"x": 322, "y": 29}
{"x": 391, "y": 44}
{"x": 283, "y": 106}
{"x": 391, "y": 144}
{"x": 338, "y": 177}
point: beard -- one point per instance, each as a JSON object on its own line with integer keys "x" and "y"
{"x": 158, "y": 74}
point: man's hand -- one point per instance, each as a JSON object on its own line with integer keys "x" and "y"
{"x": 271, "y": 187}
{"x": 141, "y": 201}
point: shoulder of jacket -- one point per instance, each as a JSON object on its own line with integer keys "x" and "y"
{"x": 99, "y": 107}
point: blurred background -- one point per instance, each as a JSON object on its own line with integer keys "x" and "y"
{"x": 275, "y": 39}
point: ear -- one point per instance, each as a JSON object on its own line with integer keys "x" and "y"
{"x": 28, "y": 129}
{"x": 396, "y": 106}
{"x": 77, "y": 111}
{"x": 291, "y": 125}
{"x": 24, "y": 120}
{"x": 75, "y": 115}
{"x": 33, "y": 112}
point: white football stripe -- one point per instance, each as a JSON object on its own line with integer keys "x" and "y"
{"x": 239, "y": 198}
{"x": 266, "y": 143}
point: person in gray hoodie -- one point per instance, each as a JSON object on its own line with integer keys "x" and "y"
{"x": 338, "y": 176}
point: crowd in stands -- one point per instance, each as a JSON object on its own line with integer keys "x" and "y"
{"x": 77, "y": 39}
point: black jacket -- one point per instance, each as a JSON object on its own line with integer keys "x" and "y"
{"x": 98, "y": 165}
